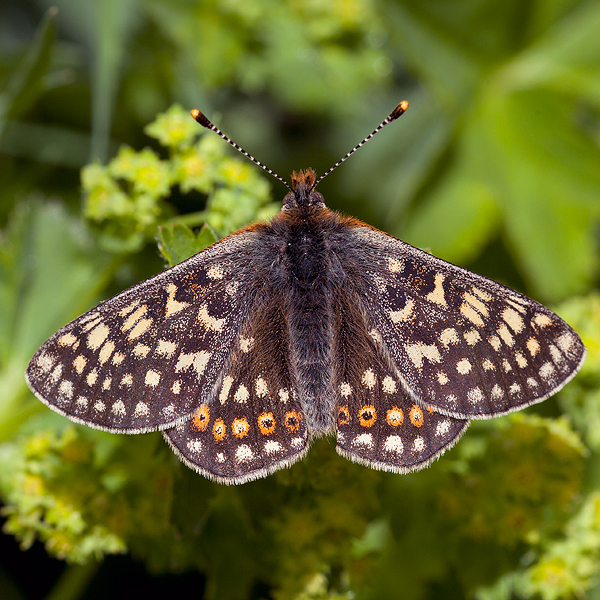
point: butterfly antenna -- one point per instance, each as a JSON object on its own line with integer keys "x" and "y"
{"x": 398, "y": 111}
{"x": 205, "y": 122}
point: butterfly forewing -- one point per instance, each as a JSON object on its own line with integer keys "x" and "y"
{"x": 255, "y": 424}
{"x": 378, "y": 423}
{"x": 465, "y": 345}
{"x": 149, "y": 356}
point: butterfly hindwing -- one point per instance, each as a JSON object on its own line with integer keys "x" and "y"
{"x": 144, "y": 359}
{"x": 255, "y": 424}
{"x": 378, "y": 423}
{"x": 465, "y": 345}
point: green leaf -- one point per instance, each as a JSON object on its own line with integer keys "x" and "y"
{"x": 27, "y": 82}
{"x": 177, "y": 242}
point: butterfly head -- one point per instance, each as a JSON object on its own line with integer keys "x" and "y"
{"x": 303, "y": 193}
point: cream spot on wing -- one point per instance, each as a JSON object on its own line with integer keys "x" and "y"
{"x": 106, "y": 352}
{"x": 483, "y": 295}
{"x": 476, "y": 303}
{"x": 141, "y": 350}
{"x": 56, "y": 373}
{"x": 495, "y": 342}
{"x": 152, "y": 378}
{"x": 475, "y": 395}
{"x": 451, "y": 399}
{"x": 133, "y": 318}
{"x": 195, "y": 446}
{"x": 395, "y": 266}
{"x": 547, "y": 370}
{"x": 364, "y": 439}
{"x": 166, "y": 348}
{"x": 260, "y": 387}
{"x": 81, "y": 403}
{"x": 118, "y": 358}
{"x": 232, "y": 287}
{"x": 488, "y": 365}
{"x": 533, "y": 346}
{"x": 244, "y": 453}
{"x": 497, "y": 392}
{"x": 125, "y": 311}
{"x": 65, "y": 389}
{"x": 472, "y": 337}
{"x": 388, "y": 385}
{"x": 565, "y": 342}
{"x": 393, "y": 443}
{"x": 405, "y": 314}
{"x": 449, "y": 336}
{"x": 515, "y": 388}
{"x": 246, "y": 344}
{"x": 141, "y": 410}
{"x": 227, "y": 381}
{"x": 506, "y": 366}
{"x": 442, "y": 378}
{"x": 521, "y": 360}
{"x": 417, "y": 352}
{"x": 241, "y": 395}
{"x": 516, "y": 305}
{"x": 419, "y": 444}
{"x": 470, "y": 313}
{"x": 531, "y": 382}
{"x": 221, "y": 457}
{"x": 272, "y": 447}
{"x": 215, "y": 272}
{"x": 505, "y": 334}
{"x": 106, "y": 383}
{"x": 93, "y": 321}
{"x": 345, "y": 389}
{"x": 127, "y": 380}
{"x": 96, "y": 337}
{"x": 369, "y": 379}
{"x": 209, "y": 322}
{"x": 284, "y": 395}
{"x": 198, "y": 360}
{"x": 442, "y": 428}
{"x": 169, "y": 411}
{"x": 514, "y": 320}
{"x": 44, "y": 362}
{"x": 92, "y": 377}
{"x": 437, "y": 295}
{"x": 140, "y": 328}
{"x": 556, "y": 354}
{"x": 118, "y": 408}
{"x": 173, "y": 306}
{"x": 79, "y": 363}
{"x": 542, "y": 320}
{"x": 375, "y": 336}
{"x": 464, "y": 366}
{"x": 176, "y": 388}
{"x": 297, "y": 442}
{"x": 99, "y": 406}
{"x": 68, "y": 339}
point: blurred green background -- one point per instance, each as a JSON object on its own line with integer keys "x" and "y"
{"x": 495, "y": 166}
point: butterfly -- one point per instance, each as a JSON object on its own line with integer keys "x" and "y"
{"x": 307, "y": 325}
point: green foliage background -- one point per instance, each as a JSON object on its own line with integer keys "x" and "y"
{"x": 496, "y": 166}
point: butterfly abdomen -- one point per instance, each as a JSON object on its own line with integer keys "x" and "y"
{"x": 306, "y": 269}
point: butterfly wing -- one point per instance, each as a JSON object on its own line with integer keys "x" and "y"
{"x": 255, "y": 425}
{"x": 463, "y": 344}
{"x": 148, "y": 357}
{"x": 378, "y": 423}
